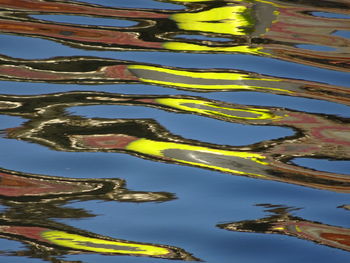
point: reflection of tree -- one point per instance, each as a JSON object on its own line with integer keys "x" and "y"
{"x": 318, "y": 135}
{"x": 281, "y": 222}
{"x": 32, "y": 202}
{"x": 92, "y": 70}
{"x": 266, "y": 28}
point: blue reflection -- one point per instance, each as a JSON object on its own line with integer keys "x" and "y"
{"x": 342, "y": 167}
{"x": 189, "y": 126}
{"x": 22, "y": 47}
{"x": 342, "y": 33}
{"x": 316, "y": 47}
{"x": 331, "y": 15}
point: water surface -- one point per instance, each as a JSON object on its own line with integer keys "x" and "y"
{"x": 198, "y": 130}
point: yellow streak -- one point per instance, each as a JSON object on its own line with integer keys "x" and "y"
{"x": 155, "y": 148}
{"x": 205, "y": 75}
{"x": 77, "y": 242}
{"x": 262, "y": 114}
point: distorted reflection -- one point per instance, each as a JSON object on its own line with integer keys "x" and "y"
{"x": 24, "y": 187}
{"x": 278, "y": 29}
{"x": 79, "y": 8}
{"x": 282, "y": 222}
{"x": 93, "y": 70}
{"x": 36, "y": 209}
{"x": 33, "y": 200}
{"x": 347, "y": 207}
{"x": 66, "y": 240}
{"x": 318, "y": 135}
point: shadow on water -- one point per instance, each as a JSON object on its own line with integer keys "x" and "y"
{"x": 303, "y": 32}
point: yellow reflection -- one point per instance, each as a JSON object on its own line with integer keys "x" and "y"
{"x": 193, "y": 154}
{"x": 230, "y": 20}
{"x": 190, "y": 1}
{"x": 100, "y": 245}
{"x": 210, "y": 109}
{"x": 278, "y": 228}
{"x": 198, "y": 80}
{"x": 196, "y": 47}
{"x": 245, "y": 1}
{"x": 222, "y": 20}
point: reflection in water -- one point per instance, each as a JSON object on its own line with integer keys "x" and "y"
{"x": 66, "y": 240}
{"x": 317, "y": 135}
{"x": 22, "y": 187}
{"x": 304, "y": 32}
{"x": 79, "y": 8}
{"x": 347, "y": 207}
{"x": 266, "y": 28}
{"x": 90, "y": 70}
{"x": 32, "y": 201}
{"x": 281, "y": 222}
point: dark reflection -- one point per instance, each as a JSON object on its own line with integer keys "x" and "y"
{"x": 24, "y": 187}
{"x": 280, "y": 29}
{"x": 317, "y": 135}
{"x": 33, "y": 200}
{"x": 347, "y": 207}
{"x": 92, "y": 70}
{"x": 282, "y": 222}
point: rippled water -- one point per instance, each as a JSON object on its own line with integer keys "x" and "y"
{"x": 198, "y": 130}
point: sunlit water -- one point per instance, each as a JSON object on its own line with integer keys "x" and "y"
{"x": 199, "y": 130}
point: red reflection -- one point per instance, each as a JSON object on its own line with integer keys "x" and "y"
{"x": 63, "y": 7}
{"x": 285, "y": 224}
{"x": 84, "y": 36}
{"x": 94, "y": 70}
{"x": 13, "y": 185}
